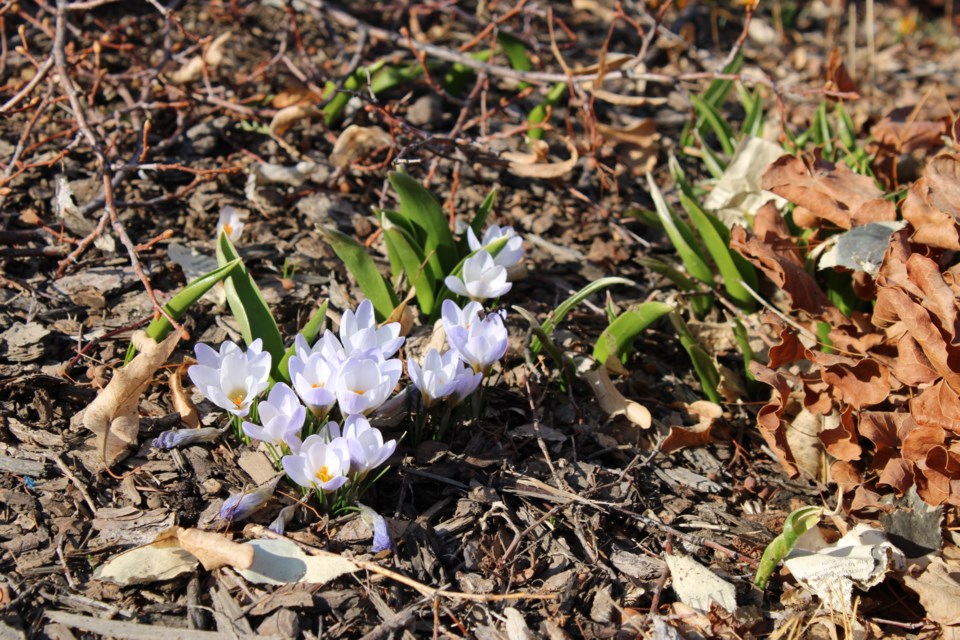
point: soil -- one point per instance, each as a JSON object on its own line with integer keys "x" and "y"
{"x": 543, "y": 494}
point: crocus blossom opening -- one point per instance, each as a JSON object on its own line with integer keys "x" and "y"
{"x": 231, "y": 378}
{"x": 231, "y": 223}
{"x": 442, "y": 377}
{"x": 319, "y": 464}
{"x": 512, "y": 252}
{"x": 480, "y": 278}
{"x": 282, "y": 417}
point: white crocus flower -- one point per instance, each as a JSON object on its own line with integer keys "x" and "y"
{"x": 512, "y": 252}
{"x": 480, "y": 278}
{"x": 367, "y": 448}
{"x": 442, "y": 377}
{"x": 231, "y": 378}
{"x": 479, "y": 340}
{"x": 282, "y": 417}
{"x": 319, "y": 464}
{"x": 359, "y": 332}
{"x": 231, "y": 223}
{"x": 365, "y": 382}
{"x": 314, "y": 379}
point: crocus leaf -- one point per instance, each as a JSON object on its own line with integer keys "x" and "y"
{"x": 483, "y": 212}
{"x": 567, "y": 305}
{"x": 419, "y": 206}
{"x": 716, "y": 237}
{"x": 178, "y": 305}
{"x": 310, "y": 332}
{"x": 402, "y": 247}
{"x": 617, "y": 338}
{"x": 703, "y": 364}
{"x": 711, "y": 116}
{"x": 516, "y": 53}
{"x": 248, "y": 306}
{"x": 796, "y": 524}
{"x": 364, "y": 269}
{"x": 538, "y": 115}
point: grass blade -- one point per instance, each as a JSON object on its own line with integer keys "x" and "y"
{"x": 248, "y": 306}
{"x": 364, "y": 269}
{"x": 681, "y": 236}
{"x": 708, "y": 114}
{"x": 567, "y": 305}
{"x": 618, "y": 338}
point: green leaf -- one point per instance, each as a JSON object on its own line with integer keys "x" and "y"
{"x": 710, "y": 115}
{"x": 796, "y": 524}
{"x": 310, "y": 332}
{"x": 567, "y": 305}
{"x": 248, "y": 306}
{"x": 364, "y": 269}
{"x": 681, "y": 236}
{"x": 716, "y": 237}
{"x": 483, "y": 212}
{"x": 160, "y": 328}
{"x": 352, "y": 83}
{"x": 414, "y": 264}
{"x": 516, "y": 53}
{"x": 567, "y": 368}
{"x": 703, "y": 364}
{"x": 421, "y": 208}
{"x": 618, "y": 338}
{"x": 753, "y": 112}
{"x": 538, "y": 114}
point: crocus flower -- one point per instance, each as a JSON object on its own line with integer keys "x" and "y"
{"x": 319, "y": 465}
{"x": 512, "y": 252}
{"x": 365, "y": 382}
{"x": 314, "y": 378}
{"x": 279, "y": 524}
{"x": 479, "y": 340}
{"x": 241, "y": 506}
{"x": 377, "y": 524}
{"x": 359, "y": 332}
{"x": 282, "y": 417}
{"x": 442, "y": 377}
{"x": 480, "y": 278}
{"x": 175, "y": 438}
{"x": 231, "y": 223}
{"x": 367, "y": 448}
{"x": 231, "y": 378}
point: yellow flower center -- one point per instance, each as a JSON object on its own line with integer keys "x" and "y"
{"x": 317, "y": 385}
{"x": 228, "y": 228}
{"x": 237, "y": 398}
{"x": 324, "y": 475}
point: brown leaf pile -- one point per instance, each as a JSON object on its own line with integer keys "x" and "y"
{"x": 891, "y": 383}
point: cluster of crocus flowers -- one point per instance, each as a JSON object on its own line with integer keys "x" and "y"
{"x": 484, "y": 275}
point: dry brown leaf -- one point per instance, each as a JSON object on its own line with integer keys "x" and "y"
{"x": 612, "y": 402}
{"x": 833, "y": 193}
{"x": 939, "y": 590}
{"x": 212, "y": 549}
{"x": 113, "y": 414}
{"x": 529, "y": 165}
{"x": 181, "y": 400}
{"x": 294, "y": 95}
{"x": 841, "y": 441}
{"x": 770, "y": 417}
{"x": 193, "y": 69}
{"x": 286, "y": 117}
{"x": 698, "y": 435}
{"x": 356, "y": 141}
{"x": 784, "y": 271}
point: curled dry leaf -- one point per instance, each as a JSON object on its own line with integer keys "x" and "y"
{"x": 213, "y": 550}
{"x": 154, "y": 562}
{"x": 932, "y": 205}
{"x": 530, "y": 165}
{"x": 939, "y": 590}
{"x": 699, "y": 434}
{"x": 193, "y": 69}
{"x": 181, "y": 400}
{"x": 612, "y": 401}
{"x": 638, "y": 144}
{"x": 113, "y": 416}
{"x": 286, "y": 117}
{"x": 356, "y": 141}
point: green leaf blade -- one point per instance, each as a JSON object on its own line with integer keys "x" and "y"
{"x": 364, "y": 269}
